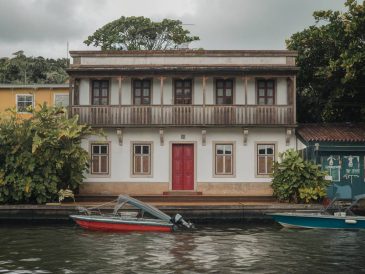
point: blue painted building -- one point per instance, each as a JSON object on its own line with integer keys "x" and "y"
{"x": 340, "y": 150}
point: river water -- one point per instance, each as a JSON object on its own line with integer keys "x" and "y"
{"x": 208, "y": 249}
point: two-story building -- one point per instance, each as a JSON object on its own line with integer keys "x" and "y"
{"x": 209, "y": 122}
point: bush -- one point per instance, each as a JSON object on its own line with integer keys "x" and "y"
{"x": 296, "y": 180}
{"x": 40, "y": 155}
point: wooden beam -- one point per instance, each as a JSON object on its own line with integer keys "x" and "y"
{"x": 161, "y": 96}
{"x": 295, "y": 99}
{"x": 120, "y": 79}
{"x": 162, "y": 86}
{"x": 71, "y": 92}
{"x": 120, "y": 89}
{"x": 245, "y": 87}
{"x": 204, "y": 84}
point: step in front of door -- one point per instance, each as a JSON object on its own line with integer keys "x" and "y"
{"x": 182, "y": 193}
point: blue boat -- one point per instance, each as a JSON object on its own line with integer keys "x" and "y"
{"x": 342, "y": 219}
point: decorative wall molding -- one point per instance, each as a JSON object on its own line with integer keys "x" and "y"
{"x": 162, "y": 140}
{"x": 204, "y": 137}
{"x": 288, "y": 133}
{"x": 245, "y": 136}
{"x": 120, "y": 136}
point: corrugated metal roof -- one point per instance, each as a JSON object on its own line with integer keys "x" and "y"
{"x": 33, "y": 86}
{"x": 345, "y": 132}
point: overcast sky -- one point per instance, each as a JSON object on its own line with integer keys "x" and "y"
{"x": 43, "y": 27}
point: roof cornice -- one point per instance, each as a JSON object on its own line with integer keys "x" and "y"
{"x": 185, "y": 53}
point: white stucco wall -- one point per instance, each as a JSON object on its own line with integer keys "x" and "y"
{"x": 198, "y": 91}
{"x": 300, "y": 145}
{"x": 281, "y": 91}
{"x": 251, "y": 92}
{"x": 114, "y": 96}
{"x": 126, "y": 91}
{"x": 245, "y": 155}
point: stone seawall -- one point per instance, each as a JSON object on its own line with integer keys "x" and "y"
{"x": 196, "y": 213}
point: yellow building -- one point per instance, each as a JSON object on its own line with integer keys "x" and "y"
{"x": 22, "y": 96}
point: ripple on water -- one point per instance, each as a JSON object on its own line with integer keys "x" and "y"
{"x": 210, "y": 249}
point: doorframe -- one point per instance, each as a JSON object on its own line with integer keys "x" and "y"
{"x": 171, "y": 143}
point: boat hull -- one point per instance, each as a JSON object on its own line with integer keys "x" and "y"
{"x": 118, "y": 225}
{"x": 319, "y": 221}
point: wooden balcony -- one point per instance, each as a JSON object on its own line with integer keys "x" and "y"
{"x": 187, "y": 115}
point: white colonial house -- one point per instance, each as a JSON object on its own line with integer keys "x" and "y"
{"x": 200, "y": 121}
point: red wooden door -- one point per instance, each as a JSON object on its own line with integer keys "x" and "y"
{"x": 182, "y": 167}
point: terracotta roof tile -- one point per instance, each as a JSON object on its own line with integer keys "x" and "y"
{"x": 345, "y": 132}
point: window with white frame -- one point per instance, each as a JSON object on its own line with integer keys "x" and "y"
{"x": 265, "y": 158}
{"x": 24, "y": 102}
{"x": 224, "y": 159}
{"x": 141, "y": 159}
{"x": 61, "y": 100}
{"x": 100, "y": 159}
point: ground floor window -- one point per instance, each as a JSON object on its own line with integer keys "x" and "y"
{"x": 100, "y": 159}
{"x": 141, "y": 159}
{"x": 265, "y": 158}
{"x": 23, "y": 102}
{"x": 223, "y": 159}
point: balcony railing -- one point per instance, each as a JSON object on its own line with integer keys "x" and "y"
{"x": 189, "y": 115}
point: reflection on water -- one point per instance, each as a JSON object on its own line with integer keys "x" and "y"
{"x": 209, "y": 249}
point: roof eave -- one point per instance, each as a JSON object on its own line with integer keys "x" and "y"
{"x": 143, "y": 53}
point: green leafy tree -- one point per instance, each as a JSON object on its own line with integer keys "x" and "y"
{"x": 21, "y": 69}
{"x": 140, "y": 33}
{"x": 331, "y": 79}
{"x": 41, "y": 155}
{"x": 296, "y": 180}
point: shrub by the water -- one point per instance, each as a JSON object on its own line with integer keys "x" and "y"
{"x": 296, "y": 180}
{"x": 40, "y": 155}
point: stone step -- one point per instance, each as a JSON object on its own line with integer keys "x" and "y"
{"x": 169, "y": 198}
{"x": 182, "y": 193}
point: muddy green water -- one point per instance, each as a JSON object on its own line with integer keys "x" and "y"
{"x": 209, "y": 249}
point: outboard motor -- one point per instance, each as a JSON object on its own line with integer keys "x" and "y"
{"x": 178, "y": 220}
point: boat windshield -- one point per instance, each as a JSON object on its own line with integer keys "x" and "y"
{"x": 125, "y": 199}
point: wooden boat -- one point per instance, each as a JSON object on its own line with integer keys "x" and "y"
{"x": 325, "y": 219}
{"x": 129, "y": 214}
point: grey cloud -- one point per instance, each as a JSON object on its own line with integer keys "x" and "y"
{"x": 250, "y": 24}
{"x": 25, "y": 20}
{"x": 42, "y": 27}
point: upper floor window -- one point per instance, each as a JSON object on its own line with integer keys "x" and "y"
{"x": 266, "y": 92}
{"x": 183, "y": 92}
{"x": 142, "y": 92}
{"x": 100, "y": 92}
{"x": 224, "y": 91}
{"x": 24, "y": 102}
